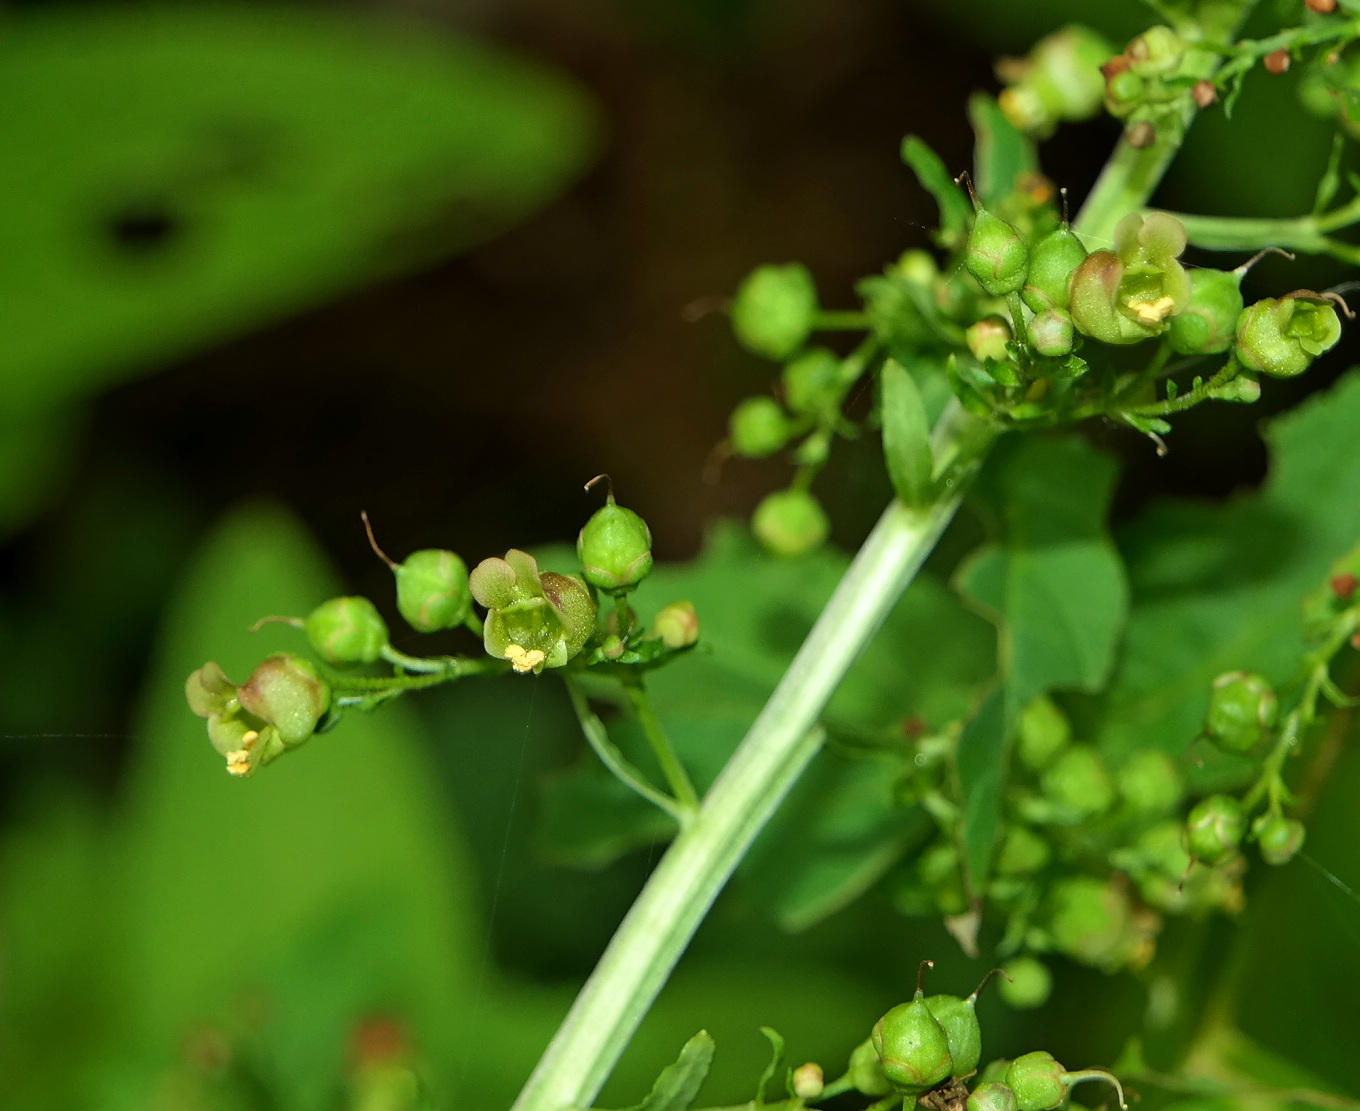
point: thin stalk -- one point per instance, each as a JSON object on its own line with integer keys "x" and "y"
{"x": 674, "y": 771}
{"x": 779, "y": 745}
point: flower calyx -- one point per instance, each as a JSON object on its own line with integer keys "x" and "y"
{"x": 1131, "y": 293}
{"x": 534, "y": 619}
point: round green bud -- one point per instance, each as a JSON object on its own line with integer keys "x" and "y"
{"x": 1124, "y": 89}
{"x": 1044, "y": 732}
{"x": 1242, "y": 708}
{"x": 1091, "y": 920}
{"x": 789, "y": 523}
{"x": 759, "y": 427}
{"x": 677, "y": 625}
{"x": 1279, "y": 838}
{"x": 812, "y": 382}
{"x": 958, "y": 1018}
{"x": 1054, "y": 260}
{"x": 432, "y": 590}
{"x": 347, "y": 631}
{"x": 866, "y": 1070}
{"x": 1214, "y": 828}
{"x": 807, "y": 1081}
{"x": 1052, "y": 333}
{"x": 1282, "y": 336}
{"x": 991, "y": 1095}
{"x": 1208, "y": 324}
{"x": 1028, "y": 983}
{"x": 913, "y": 1048}
{"x": 615, "y": 549}
{"x": 997, "y": 255}
{"x": 1150, "y": 782}
{"x": 988, "y": 337}
{"x": 1038, "y": 1081}
{"x": 1078, "y": 782}
{"x": 1157, "y": 52}
{"x": 288, "y": 693}
{"x": 774, "y": 308}
{"x": 1023, "y": 852}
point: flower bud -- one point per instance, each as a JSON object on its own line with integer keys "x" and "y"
{"x": 1027, "y": 983}
{"x": 1208, "y": 324}
{"x": 991, "y": 1095}
{"x": 1022, "y": 853}
{"x": 1078, "y": 782}
{"x": 1157, "y": 52}
{"x": 808, "y": 1081}
{"x": 1214, "y": 828}
{"x": 347, "y": 631}
{"x": 615, "y": 549}
{"x": 1150, "y": 782}
{"x": 1052, "y": 333}
{"x": 759, "y": 427}
{"x": 1279, "y": 838}
{"x": 773, "y": 310}
{"x": 789, "y": 523}
{"x": 866, "y": 1070}
{"x": 1242, "y": 708}
{"x": 988, "y": 337}
{"x": 1282, "y": 336}
{"x": 1060, "y": 80}
{"x": 997, "y": 256}
{"x": 812, "y": 383}
{"x": 913, "y": 1048}
{"x": 432, "y": 590}
{"x": 1053, "y": 261}
{"x": 534, "y": 620}
{"x": 1038, "y": 1081}
{"x": 677, "y": 625}
{"x": 1044, "y": 732}
{"x": 958, "y": 1019}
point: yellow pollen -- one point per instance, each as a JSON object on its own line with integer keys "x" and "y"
{"x": 238, "y": 762}
{"x": 1152, "y": 312}
{"x": 524, "y": 659}
{"x": 248, "y": 739}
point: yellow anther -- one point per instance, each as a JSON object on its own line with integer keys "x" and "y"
{"x": 248, "y": 739}
{"x": 1152, "y": 312}
{"x": 523, "y": 659}
{"x": 238, "y": 762}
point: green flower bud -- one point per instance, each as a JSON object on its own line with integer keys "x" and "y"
{"x": 987, "y": 339}
{"x": 432, "y": 590}
{"x": 812, "y": 382}
{"x": 677, "y": 625}
{"x": 1242, "y": 708}
{"x": 1126, "y": 295}
{"x": 759, "y": 427}
{"x": 997, "y": 256}
{"x": 807, "y": 1081}
{"x": 1060, "y": 80}
{"x": 1282, "y": 336}
{"x": 1150, "y": 782}
{"x": 1208, "y": 324}
{"x": 991, "y": 1095}
{"x": 789, "y": 523}
{"x": 1278, "y": 837}
{"x": 1044, "y": 732}
{"x": 1078, "y": 782}
{"x": 1092, "y": 921}
{"x": 1125, "y": 90}
{"x": 1052, "y": 333}
{"x": 534, "y": 620}
{"x": 773, "y": 310}
{"x": 1038, "y": 1081}
{"x": 1028, "y": 983}
{"x": 1214, "y": 828}
{"x": 1054, "y": 260}
{"x": 913, "y": 1047}
{"x": 958, "y": 1019}
{"x": 277, "y": 708}
{"x": 866, "y": 1070}
{"x": 347, "y": 631}
{"x": 1157, "y": 52}
{"x": 1023, "y": 852}
{"x": 615, "y": 549}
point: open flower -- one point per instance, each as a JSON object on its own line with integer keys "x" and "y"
{"x": 1131, "y": 293}
{"x": 276, "y": 709}
{"x": 534, "y": 619}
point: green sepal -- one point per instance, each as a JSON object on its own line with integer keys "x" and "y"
{"x": 906, "y": 436}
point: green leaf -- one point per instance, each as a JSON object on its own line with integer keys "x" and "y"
{"x": 906, "y": 436}
{"x": 1054, "y": 584}
{"x": 678, "y": 1085}
{"x": 1002, "y": 153}
{"x": 955, "y": 211}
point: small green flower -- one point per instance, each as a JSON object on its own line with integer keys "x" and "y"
{"x": 534, "y": 620}
{"x": 1282, "y": 336}
{"x": 1131, "y": 293}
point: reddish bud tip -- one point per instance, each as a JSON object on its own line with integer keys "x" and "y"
{"x": 1322, "y": 7}
{"x": 1276, "y": 62}
{"x": 1343, "y": 586}
{"x": 1204, "y": 94}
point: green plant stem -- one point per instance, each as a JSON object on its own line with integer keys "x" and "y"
{"x": 1306, "y": 234}
{"x": 774, "y": 752}
{"x": 675, "y": 773}
{"x": 615, "y": 761}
